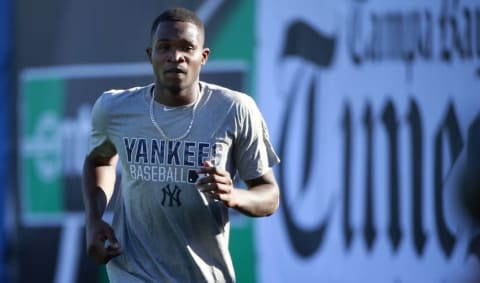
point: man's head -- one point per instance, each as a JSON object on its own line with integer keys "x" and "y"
{"x": 178, "y": 15}
{"x": 177, "y": 49}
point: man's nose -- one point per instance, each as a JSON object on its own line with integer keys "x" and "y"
{"x": 175, "y": 55}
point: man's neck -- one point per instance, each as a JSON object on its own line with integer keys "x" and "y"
{"x": 181, "y": 97}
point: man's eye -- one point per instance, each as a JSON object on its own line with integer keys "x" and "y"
{"x": 187, "y": 48}
{"x": 162, "y": 47}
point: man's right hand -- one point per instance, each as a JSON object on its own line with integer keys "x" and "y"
{"x": 101, "y": 242}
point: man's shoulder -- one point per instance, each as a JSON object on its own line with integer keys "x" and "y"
{"x": 123, "y": 93}
{"x": 228, "y": 94}
{"x": 117, "y": 100}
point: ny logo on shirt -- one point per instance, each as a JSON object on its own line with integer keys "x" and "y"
{"x": 172, "y": 195}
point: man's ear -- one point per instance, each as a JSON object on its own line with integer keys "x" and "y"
{"x": 148, "y": 50}
{"x": 205, "y": 54}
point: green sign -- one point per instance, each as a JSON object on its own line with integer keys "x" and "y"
{"x": 40, "y": 176}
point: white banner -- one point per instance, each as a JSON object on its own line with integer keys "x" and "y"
{"x": 374, "y": 108}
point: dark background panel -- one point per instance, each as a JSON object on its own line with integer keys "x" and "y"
{"x": 59, "y": 32}
{"x": 37, "y": 250}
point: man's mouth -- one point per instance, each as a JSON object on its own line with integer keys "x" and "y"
{"x": 175, "y": 71}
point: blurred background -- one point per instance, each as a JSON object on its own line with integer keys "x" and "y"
{"x": 373, "y": 107}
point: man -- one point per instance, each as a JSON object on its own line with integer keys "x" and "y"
{"x": 179, "y": 142}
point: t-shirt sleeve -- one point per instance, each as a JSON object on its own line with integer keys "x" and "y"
{"x": 254, "y": 154}
{"x": 100, "y": 144}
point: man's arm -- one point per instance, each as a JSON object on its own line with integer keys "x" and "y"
{"x": 260, "y": 199}
{"x": 98, "y": 184}
{"x": 99, "y": 176}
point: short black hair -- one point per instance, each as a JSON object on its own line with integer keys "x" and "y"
{"x": 177, "y": 15}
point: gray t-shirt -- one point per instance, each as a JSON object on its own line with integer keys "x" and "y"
{"x": 169, "y": 230}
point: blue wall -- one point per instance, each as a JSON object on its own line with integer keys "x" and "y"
{"x": 5, "y": 115}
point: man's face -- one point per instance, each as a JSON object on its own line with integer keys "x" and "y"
{"x": 177, "y": 55}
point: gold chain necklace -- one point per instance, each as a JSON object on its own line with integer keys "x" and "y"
{"x": 160, "y": 130}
